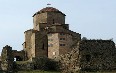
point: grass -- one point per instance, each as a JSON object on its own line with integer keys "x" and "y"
{"x": 22, "y": 62}
{"x": 100, "y": 72}
{"x": 37, "y": 71}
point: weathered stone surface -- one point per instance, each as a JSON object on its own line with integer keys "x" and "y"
{"x": 50, "y": 36}
{"x": 69, "y": 63}
{"x": 97, "y": 55}
{"x": 90, "y": 55}
{"x": 7, "y": 59}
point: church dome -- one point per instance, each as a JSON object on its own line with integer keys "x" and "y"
{"x": 48, "y": 9}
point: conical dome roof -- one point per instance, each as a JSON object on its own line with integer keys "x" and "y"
{"x": 48, "y": 9}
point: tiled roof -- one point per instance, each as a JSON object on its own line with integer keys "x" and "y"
{"x": 48, "y": 9}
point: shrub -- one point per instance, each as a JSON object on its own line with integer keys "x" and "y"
{"x": 39, "y": 63}
{"x": 44, "y": 63}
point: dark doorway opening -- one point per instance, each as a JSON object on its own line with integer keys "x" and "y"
{"x": 18, "y": 58}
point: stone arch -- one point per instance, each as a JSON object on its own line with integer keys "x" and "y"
{"x": 18, "y": 55}
{"x": 18, "y": 58}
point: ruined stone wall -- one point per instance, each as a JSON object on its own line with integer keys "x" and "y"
{"x": 20, "y": 54}
{"x": 97, "y": 55}
{"x": 7, "y": 59}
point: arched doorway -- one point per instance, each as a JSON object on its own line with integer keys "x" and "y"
{"x": 18, "y": 58}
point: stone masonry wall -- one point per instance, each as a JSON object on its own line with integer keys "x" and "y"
{"x": 53, "y": 17}
{"x": 39, "y": 18}
{"x": 97, "y": 55}
{"x": 20, "y": 54}
{"x": 7, "y": 59}
{"x": 28, "y": 46}
{"x": 41, "y": 44}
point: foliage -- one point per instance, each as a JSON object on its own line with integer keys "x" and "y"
{"x": 84, "y": 38}
{"x": 52, "y": 65}
{"x": 22, "y": 65}
{"x": 39, "y": 63}
{"x": 70, "y": 62}
{"x": 44, "y": 63}
{"x": 38, "y": 71}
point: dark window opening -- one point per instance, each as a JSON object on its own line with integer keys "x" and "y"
{"x": 43, "y": 46}
{"x": 62, "y": 34}
{"x": 88, "y": 57}
{"x": 62, "y": 44}
{"x": 62, "y": 38}
{"x": 53, "y": 21}
{"x": 25, "y": 45}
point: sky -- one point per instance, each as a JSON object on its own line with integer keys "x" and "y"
{"x": 94, "y": 19}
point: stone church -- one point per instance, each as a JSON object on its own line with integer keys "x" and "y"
{"x": 51, "y": 37}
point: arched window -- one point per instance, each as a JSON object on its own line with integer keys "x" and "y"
{"x": 43, "y": 46}
{"x": 53, "y": 21}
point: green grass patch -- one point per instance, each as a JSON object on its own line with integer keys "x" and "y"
{"x": 37, "y": 71}
{"x": 22, "y": 62}
{"x": 100, "y": 72}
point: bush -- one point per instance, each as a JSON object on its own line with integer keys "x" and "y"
{"x": 39, "y": 63}
{"x": 23, "y": 65}
{"x": 52, "y": 65}
{"x": 44, "y": 63}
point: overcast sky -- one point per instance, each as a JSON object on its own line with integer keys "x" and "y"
{"x": 95, "y": 19}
